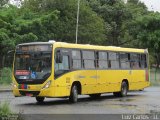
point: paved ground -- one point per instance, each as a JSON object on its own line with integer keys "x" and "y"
{"x": 140, "y": 102}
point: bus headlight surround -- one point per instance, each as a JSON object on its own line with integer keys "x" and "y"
{"x": 14, "y": 85}
{"x": 47, "y": 85}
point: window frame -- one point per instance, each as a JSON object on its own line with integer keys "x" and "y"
{"x": 125, "y": 61}
{"x": 72, "y": 59}
{"x": 114, "y": 60}
{"x": 144, "y": 61}
{"x": 98, "y": 59}
{"x": 94, "y": 59}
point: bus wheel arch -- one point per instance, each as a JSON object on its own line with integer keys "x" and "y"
{"x": 123, "y": 89}
{"x": 40, "y": 99}
{"x": 79, "y": 87}
{"x": 75, "y": 90}
{"x": 125, "y": 80}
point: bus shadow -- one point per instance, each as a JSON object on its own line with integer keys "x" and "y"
{"x": 65, "y": 101}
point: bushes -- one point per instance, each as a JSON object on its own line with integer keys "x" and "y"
{"x": 7, "y": 114}
{"x": 155, "y": 76}
{"x": 5, "y": 76}
{"x": 4, "y": 109}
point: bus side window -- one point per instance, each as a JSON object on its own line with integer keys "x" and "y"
{"x": 76, "y": 59}
{"x": 143, "y": 61}
{"x": 88, "y": 59}
{"x": 135, "y": 61}
{"x": 102, "y": 60}
{"x": 124, "y": 60}
{"x": 113, "y": 60}
{"x": 64, "y": 65}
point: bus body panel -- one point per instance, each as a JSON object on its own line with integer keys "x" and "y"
{"x": 92, "y": 81}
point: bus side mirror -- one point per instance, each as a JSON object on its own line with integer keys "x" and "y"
{"x": 59, "y": 57}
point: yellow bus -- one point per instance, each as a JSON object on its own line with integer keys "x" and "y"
{"x": 56, "y": 69}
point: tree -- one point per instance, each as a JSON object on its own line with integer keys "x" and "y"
{"x": 118, "y": 17}
{"x": 7, "y": 18}
{"x": 42, "y": 20}
{"x": 3, "y": 2}
{"x": 148, "y": 33}
{"x": 115, "y": 15}
{"x": 136, "y": 9}
{"x": 91, "y": 26}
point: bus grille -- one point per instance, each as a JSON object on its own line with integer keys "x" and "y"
{"x": 29, "y": 93}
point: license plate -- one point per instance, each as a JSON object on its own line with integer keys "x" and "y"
{"x": 23, "y": 86}
{"x": 23, "y": 77}
{"x": 28, "y": 94}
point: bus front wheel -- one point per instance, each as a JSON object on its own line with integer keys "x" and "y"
{"x": 73, "y": 98}
{"x": 124, "y": 90}
{"x": 40, "y": 99}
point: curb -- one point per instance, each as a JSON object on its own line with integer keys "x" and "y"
{"x": 5, "y": 90}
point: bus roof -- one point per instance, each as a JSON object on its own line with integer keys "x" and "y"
{"x": 97, "y": 47}
{"x": 88, "y": 46}
{"x": 35, "y": 43}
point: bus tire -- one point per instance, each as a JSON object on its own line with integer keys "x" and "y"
{"x": 73, "y": 98}
{"x": 116, "y": 94}
{"x": 40, "y": 99}
{"x": 95, "y": 96}
{"x": 124, "y": 90}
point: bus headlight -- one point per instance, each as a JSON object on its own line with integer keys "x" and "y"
{"x": 14, "y": 85}
{"x": 47, "y": 85}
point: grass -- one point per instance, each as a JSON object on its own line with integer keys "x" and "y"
{"x": 5, "y": 76}
{"x": 155, "y": 77}
{"x": 7, "y": 114}
{"x": 4, "y": 109}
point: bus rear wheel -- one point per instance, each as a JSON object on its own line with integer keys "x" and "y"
{"x": 95, "y": 96}
{"x": 124, "y": 90}
{"x": 73, "y": 98}
{"x": 40, "y": 99}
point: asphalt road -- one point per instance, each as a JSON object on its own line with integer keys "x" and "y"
{"x": 139, "y": 102}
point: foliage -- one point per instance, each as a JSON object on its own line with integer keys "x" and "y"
{"x": 155, "y": 77}
{"x": 3, "y": 2}
{"x": 116, "y": 15}
{"x": 148, "y": 33}
{"x": 7, "y": 19}
{"x": 102, "y": 22}
{"x": 50, "y": 19}
{"x": 4, "y": 109}
{"x": 137, "y": 9}
{"x": 5, "y": 76}
{"x": 6, "y": 113}
{"x": 91, "y": 27}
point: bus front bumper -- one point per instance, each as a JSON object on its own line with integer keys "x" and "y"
{"x": 53, "y": 91}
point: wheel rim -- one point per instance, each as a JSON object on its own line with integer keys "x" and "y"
{"x": 75, "y": 94}
{"x": 124, "y": 89}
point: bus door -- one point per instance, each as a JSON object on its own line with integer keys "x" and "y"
{"x": 62, "y": 68}
{"x": 125, "y": 68}
{"x": 102, "y": 72}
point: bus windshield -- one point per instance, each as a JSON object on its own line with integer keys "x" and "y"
{"x": 32, "y": 64}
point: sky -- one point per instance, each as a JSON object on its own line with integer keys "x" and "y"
{"x": 153, "y": 5}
